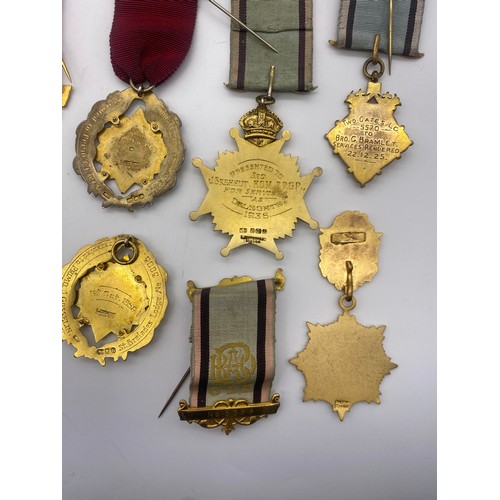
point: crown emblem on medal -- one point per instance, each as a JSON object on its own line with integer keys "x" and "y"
{"x": 256, "y": 194}
{"x": 260, "y": 125}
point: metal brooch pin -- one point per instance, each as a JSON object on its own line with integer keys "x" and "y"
{"x": 242, "y": 24}
{"x": 390, "y": 36}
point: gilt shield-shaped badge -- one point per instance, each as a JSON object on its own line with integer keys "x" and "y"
{"x": 369, "y": 138}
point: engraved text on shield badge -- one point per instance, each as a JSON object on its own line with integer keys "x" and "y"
{"x": 369, "y": 138}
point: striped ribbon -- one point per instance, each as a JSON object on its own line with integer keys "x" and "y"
{"x": 288, "y": 26}
{"x": 232, "y": 337}
{"x": 360, "y": 20}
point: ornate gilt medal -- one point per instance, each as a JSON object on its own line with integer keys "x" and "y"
{"x": 369, "y": 138}
{"x": 256, "y": 194}
{"x": 344, "y": 362}
{"x": 113, "y": 297}
{"x": 141, "y": 153}
{"x": 129, "y": 149}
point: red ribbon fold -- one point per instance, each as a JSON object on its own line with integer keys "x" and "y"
{"x": 150, "y": 38}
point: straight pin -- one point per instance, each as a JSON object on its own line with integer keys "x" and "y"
{"x": 390, "y": 35}
{"x": 65, "y": 68}
{"x": 213, "y": 2}
{"x": 184, "y": 377}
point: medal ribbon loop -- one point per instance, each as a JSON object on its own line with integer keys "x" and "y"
{"x": 150, "y": 38}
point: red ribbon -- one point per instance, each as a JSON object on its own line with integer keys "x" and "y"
{"x": 150, "y": 38}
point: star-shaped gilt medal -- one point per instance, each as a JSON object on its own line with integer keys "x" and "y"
{"x": 343, "y": 363}
{"x": 256, "y": 194}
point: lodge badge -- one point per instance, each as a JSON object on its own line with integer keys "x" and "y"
{"x": 344, "y": 362}
{"x": 369, "y": 138}
{"x": 256, "y": 194}
{"x": 138, "y": 155}
{"x": 114, "y": 288}
{"x": 232, "y": 353}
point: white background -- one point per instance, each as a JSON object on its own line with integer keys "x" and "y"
{"x": 113, "y": 445}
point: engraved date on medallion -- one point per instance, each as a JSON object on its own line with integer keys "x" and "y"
{"x": 369, "y": 138}
{"x": 255, "y": 183}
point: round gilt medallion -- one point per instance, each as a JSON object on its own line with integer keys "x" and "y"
{"x": 113, "y": 298}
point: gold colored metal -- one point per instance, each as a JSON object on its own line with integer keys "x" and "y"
{"x": 256, "y": 194}
{"x": 343, "y": 363}
{"x": 350, "y": 238}
{"x": 111, "y": 309}
{"x": 112, "y": 287}
{"x": 141, "y": 153}
{"x": 376, "y": 44}
{"x": 235, "y": 280}
{"x": 369, "y": 138}
{"x": 228, "y": 413}
{"x": 242, "y": 25}
{"x": 279, "y": 281}
{"x": 349, "y": 282}
{"x": 130, "y": 152}
{"x": 126, "y": 258}
{"x": 390, "y": 36}
{"x": 272, "y": 73}
{"x": 374, "y": 75}
{"x": 66, "y": 89}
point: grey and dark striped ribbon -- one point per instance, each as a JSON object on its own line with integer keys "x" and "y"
{"x": 232, "y": 337}
{"x": 360, "y": 20}
{"x": 288, "y": 26}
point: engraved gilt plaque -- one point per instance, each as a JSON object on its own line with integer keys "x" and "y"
{"x": 369, "y": 138}
{"x": 112, "y": 299}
